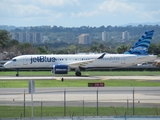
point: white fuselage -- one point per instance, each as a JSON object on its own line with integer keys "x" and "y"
{"x": 47, "y": 61}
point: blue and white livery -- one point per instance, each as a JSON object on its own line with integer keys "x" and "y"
{"x": 142, "y": 45}
{"x": 61, "y": 64}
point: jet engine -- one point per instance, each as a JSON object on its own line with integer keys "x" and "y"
{"x": 60, "y": 69}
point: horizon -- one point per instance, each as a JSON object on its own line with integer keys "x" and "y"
{"x": 132, "y": 24}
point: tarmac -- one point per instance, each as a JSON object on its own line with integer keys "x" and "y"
{"x": 84, "y": 78}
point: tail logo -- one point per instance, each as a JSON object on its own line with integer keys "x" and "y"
{"x": 142, "y": 45}
{"x": 140, "y": 48}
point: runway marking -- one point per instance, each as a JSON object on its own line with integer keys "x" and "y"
{"x": 104, "y": 79}
{"x": 142, "y": 80}
{"x": 58, "y": 78}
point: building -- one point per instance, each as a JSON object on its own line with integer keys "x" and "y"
{"x": 23, "y": 37}
{"x": 125, "y": 35}
{"x": 84, "y": 39}
{"x": 105, "y": 36}
{"x": 17, "y": 36}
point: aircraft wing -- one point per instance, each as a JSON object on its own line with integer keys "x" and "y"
{"x": 84, "y": 63}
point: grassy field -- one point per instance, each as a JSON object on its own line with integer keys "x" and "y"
{"x": 84, "y": 73}
{"x": 18, "y": 111}
{"x": 77, "y": 83}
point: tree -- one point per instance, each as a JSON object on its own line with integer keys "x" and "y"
{"x": 154, "y": 49}
{"x": 94, "y": 48}
{"x": 109, "y": 49}
{"x": 4, "y": 38}
{"x": 42, "y": 50}
{"x": 72, "y": 49}
{"x": 121, "y": 49}
{"x": 27, "y": 48}
{"x": 12, "y": 43}
{"x": 102, "y": 47}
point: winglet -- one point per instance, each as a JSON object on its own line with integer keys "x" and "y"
{"x": 101, "y": 57}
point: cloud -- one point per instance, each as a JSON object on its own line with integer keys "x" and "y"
{"x": 94, "y": 11}
{"x": 108, "y": 7}
{"x": 114, "y": 6}
{"x": 149, "y": 16}
{"x": 22, "y": 8}
{"x": 145, "y": 10}
{"x": 84, "y": 14}
{"x": 56, "y": 2}
{"x": 42, "y": 2}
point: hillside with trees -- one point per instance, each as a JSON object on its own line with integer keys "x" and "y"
{"x": 64, "y": 40}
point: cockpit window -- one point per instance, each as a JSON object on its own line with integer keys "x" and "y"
{"x": 14, "y": 60}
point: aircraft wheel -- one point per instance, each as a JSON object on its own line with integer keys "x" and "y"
{"x": 78, "y": 73}
{"x": 17, "y": 75}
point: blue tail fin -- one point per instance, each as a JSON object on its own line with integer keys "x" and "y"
{"x": 142, "y": 45}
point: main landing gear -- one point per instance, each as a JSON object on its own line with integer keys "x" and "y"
{"x": 78, "y": 72}
{"x": 17, "y": 73}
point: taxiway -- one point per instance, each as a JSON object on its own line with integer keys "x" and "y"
{"x": 83, "y": 78}
{"x": 106, "y": 96}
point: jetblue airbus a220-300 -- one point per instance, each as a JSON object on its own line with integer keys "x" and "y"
{"x": 61, "y": 64}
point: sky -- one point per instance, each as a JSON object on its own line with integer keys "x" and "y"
{"x": 76, "y": 13}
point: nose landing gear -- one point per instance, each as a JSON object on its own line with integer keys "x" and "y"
{"x": 17, "y": 73}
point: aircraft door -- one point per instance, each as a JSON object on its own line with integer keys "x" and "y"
{"x": 123, "y": 60}
{"x": 25, "y": 61}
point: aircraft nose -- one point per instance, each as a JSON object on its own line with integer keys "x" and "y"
{"x": 6, "y": 65}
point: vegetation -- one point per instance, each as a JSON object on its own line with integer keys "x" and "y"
{"x": 4, "y": 38}
{"x": 78, "y": 83}
{"x": 53, "y": 111}
{"x": 61, "y": 40}
{"x": 84, "y": 73}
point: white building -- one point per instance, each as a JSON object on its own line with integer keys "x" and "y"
{"x": 105, "y": 36}
{"x": 125, "y": 35}
{"x": 23, "y": 37}
{"x": 84, "y": 39}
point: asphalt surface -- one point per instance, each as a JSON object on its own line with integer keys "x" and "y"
{"x": 84, "y": 78}
{"x": 73, "y": 96}
{"x": 76, "y": 96}
{"x": 86, "y": 96}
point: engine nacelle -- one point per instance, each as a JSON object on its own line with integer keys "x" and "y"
{"x": 60, "y": 69}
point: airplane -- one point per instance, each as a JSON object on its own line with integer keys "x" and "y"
{"x": 63, "y": 63}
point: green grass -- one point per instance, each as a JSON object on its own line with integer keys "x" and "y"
{"x": 17, "y": 111}
{"x": 84, "y": 73}
{"x": 77, "y": 83}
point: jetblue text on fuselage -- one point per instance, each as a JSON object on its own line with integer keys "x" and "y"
{"x": 42, "y": 59}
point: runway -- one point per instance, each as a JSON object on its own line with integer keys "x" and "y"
{"x": 106, "y": 96}
{"x": 84, "y": 78}
{"x": 117, "y": 96}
